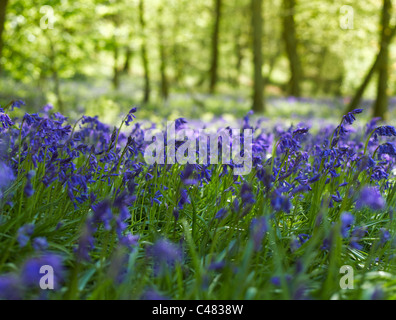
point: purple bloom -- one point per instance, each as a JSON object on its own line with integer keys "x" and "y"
{"x": 130, "y": 116}
{"x": 40, "y": 243}
{"x": 385, "y": 236}
{"x": 356, "y": 237}
{"x": 349, "y": 117}
{"x": 258, "y": 229}
{"x": 386, "y": 131}
{"x": 247, "y": 195}
{"x": 347, "y": 220}
{"x": 5, "y": 121}
{"x": 221, "y": 214}
{"x": 129, "y": 240}
{"x": 280, "y": 202}
{"x": 103, "y": 213}
{"x": 386, "y": 148}
{"x": 9, "y": 287}
{"x": 6, "y": 176}
{"x": 183, "y": 198}
{"x": 152, "y": 294}
{"x": 17, "y": 104}
{"x": 31, "y": 274}
{"x": 165, "y": 255}
{"x": 24, "y": 234}
{"x": 370, "y": 197}
{"x": 217, "y": 266}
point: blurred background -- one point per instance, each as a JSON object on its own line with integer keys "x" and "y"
{"x": 199, "y": 59}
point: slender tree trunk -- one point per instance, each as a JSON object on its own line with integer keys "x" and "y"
{"x": 127, "y": 62}
{"x": 55, "y": 77}
{"x": 359, "y": 93}
{"x": 257, "y": 26}
{"x": 145, "y": 61}
{"x": 161, "y": 47}
{"x": 381, "y": 103}
{"x": 3, "y": 7}
{"x": 116, "y": 70}
{"x": 215, "y": 47}
{"x": 387, "y": 37}
{"x": 238, "y": 56}
{"x": 290, "y": 39}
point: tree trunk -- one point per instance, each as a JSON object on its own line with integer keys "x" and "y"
{"x": 257, "y": 26}
{"x": 127, "y": 63}
{"x": 145, "y": 61}
{"x": 116, "y": 71}
{"x": 215, "y": 46}
{"x": 381, "y": 103}
{"x": 55, "y": 77}
{"x": 386, "y": 38}
{"x": 290, "y": 39}
{"x": 161, "y": 46}
{"x": 238, "y": 56}
{"x": 3, "y": 7}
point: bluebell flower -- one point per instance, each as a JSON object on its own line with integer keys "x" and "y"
{"x": 5, "y": 121}
{"x": 129, "y": 240}
{"x": 356, "y": 237}
{"x": 221, "y": 214}
{"x": 217, "y": 266}
{"x": 165, "y": 255}
{"x": 10, "y": 288}
{"x": 40, "y": 243}
{"x": 6, "y": 176}
{"x": 280, "y": 202}
{"x": 130, "y": 116}
{"x": 258, "y": 229}
{"x": 31, "y": 270}
{"x": 386, "y": 131}
{"x": 183, "y": 198}
{"x": 247, "y": 195}
{"x": 347, "y": 220}
{"x": 386, "y": 148}
{"x": 385, "y": 236}
{"x": 24, "y": 234}
{"x": 103, "y": 213}
{"x": 152, "y": 294}
{"x": 370, "y": 197}
{"x": 17, "y": 104}
{"x": 349, "y": 117}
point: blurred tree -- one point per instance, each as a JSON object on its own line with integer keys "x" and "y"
{"x": 163, "y": 56}
{"x": 381, "y": 103}
{"x": 380, "y": 64}
{"x": 290, "y": 40}
{"x": 3, "y": 8}
{"x": 145, "y": 59}
{"x": 258, "y": 81}
{"x": 215, "y": 46}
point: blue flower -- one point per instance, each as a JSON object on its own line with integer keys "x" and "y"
{"x": 370, "y": 197}
{"x": 356, "y": 237}
{"x": 386, "y": 148}
{"x": 385, "y": 236}
{"x": 40, "y": 243}
{"x": 386, "y": 131}
{"x": 349, "y": 117}
{"x": 10, "y": 288}
{"x": 165, "y": 255}
{"x": 24, "y": 234}
{"x": 31, "y": 270}
{"x": 221, "y": 214}
{"x": 5, "y": 121}
{"x": 258, "y": 229}
{"x": 6, "y": 176}
{"x": 347, "y": 220}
